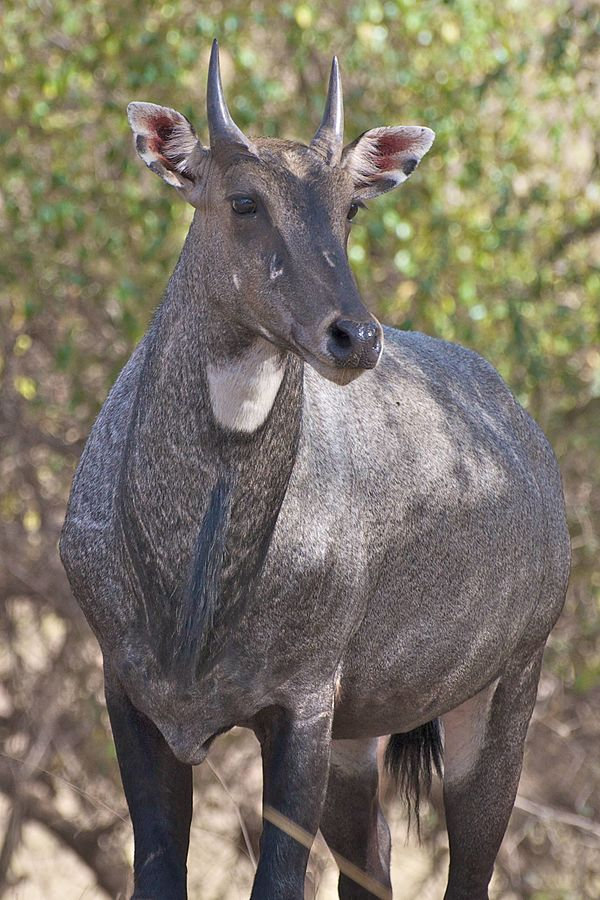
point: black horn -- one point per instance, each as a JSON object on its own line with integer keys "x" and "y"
{"x": 329, "y": 139}
{"x": 221, "y": 127}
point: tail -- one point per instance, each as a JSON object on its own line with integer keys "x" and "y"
{"x": 410, "y": 759}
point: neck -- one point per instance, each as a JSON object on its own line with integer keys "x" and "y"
{"x": 241, "y": 372}
{"x": 213, "y": 443}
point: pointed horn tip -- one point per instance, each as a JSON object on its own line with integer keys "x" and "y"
{"x": 329, "y": 136}
{"x": 335, "y": 82}
{"x": 214, "y": 62}
{"x": 214, "y": 54}
{"x": 221, "y": 126}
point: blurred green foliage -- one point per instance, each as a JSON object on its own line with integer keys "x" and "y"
{"x": 481, "y": 247}
{"x": 494, "y": 242}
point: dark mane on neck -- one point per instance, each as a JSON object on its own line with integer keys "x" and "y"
{"x": 198, "y": 603}
{"x": 190, "y": 623}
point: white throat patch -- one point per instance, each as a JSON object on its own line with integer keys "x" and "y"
{"x": 243, "y": 389}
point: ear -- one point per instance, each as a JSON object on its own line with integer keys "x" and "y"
{"x": 383, "y": 158}
{"x": 166, "y": 141}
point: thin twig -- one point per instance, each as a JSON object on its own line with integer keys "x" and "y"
{"x": 245, "y": 834}
{"x": 95, "y": 801}
{"x": 553, "y": 814}
{"x": 347, "y": 868}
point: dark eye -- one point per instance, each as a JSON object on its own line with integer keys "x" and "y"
{"x": 243, "y": 206}
{"x": 352, "y": 211}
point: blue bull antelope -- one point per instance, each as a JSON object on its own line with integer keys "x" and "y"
{"x": 278, "y": 524}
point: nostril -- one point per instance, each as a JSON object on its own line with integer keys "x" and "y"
{"x": 340, "y": 337}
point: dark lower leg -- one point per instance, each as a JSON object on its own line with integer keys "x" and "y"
{"x": 483, "y": 758}
{"x": 295, "y": 767}
{"x": 353, "y": 824}
{"x": 158, "y": 789}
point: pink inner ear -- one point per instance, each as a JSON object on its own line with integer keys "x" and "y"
{"x": 162, "y": 126}
{"x": 388, "y": 147}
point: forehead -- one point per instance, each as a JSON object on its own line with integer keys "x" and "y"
{"x": 288, "y": 167}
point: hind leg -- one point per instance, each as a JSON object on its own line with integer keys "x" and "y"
{"x": 353, "y": 824}
{"x": 484, "y": 740}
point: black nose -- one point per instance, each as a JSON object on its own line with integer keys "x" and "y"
{"x": 355, "y": 345}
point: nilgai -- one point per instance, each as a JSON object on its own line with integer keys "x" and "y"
{"x": 289, "y": 518}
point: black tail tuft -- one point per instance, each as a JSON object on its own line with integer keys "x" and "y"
{"x": 410, "y": 759}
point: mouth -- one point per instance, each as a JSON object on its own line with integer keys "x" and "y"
{"x": 324, "y": 361}
{"x": 329, "y": 370}
{"x": 328, "y": 367}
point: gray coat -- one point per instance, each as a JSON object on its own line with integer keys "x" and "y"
{"x": 277, "y": 524}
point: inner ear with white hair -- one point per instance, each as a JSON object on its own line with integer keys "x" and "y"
{"x": 382, "y": 158}
{"x": 166, "y": 141}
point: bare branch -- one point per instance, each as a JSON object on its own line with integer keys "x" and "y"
{"x": 554, "y": 814}
{"x": 110, "y": 874}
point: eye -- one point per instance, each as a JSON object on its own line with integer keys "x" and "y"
{"x": 243, "y": 206}
{"x": 354, "y": 207}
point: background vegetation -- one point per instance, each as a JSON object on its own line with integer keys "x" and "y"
{"x": 495, "y": 243}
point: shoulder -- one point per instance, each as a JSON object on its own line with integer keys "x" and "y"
{"x": 434, "y": 356}
{"x": 434, "y": 394}
{"x": 447, "y": 375}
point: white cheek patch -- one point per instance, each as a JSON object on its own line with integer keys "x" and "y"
{"x": 243, "y": 389}
{"x": 236, "y": 281}
{"x": 464, "y": 734}
{"x": 329, "y": 258}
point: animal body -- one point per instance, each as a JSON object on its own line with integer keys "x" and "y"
{"x": 291, "y": 519}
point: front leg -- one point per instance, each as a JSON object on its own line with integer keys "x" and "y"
{"x": 295, "y": 771}
{"x": 158, "y": 789}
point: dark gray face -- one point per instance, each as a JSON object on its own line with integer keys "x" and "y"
{"x": 273, "y": 219}
{"x": 277, "y": 224}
